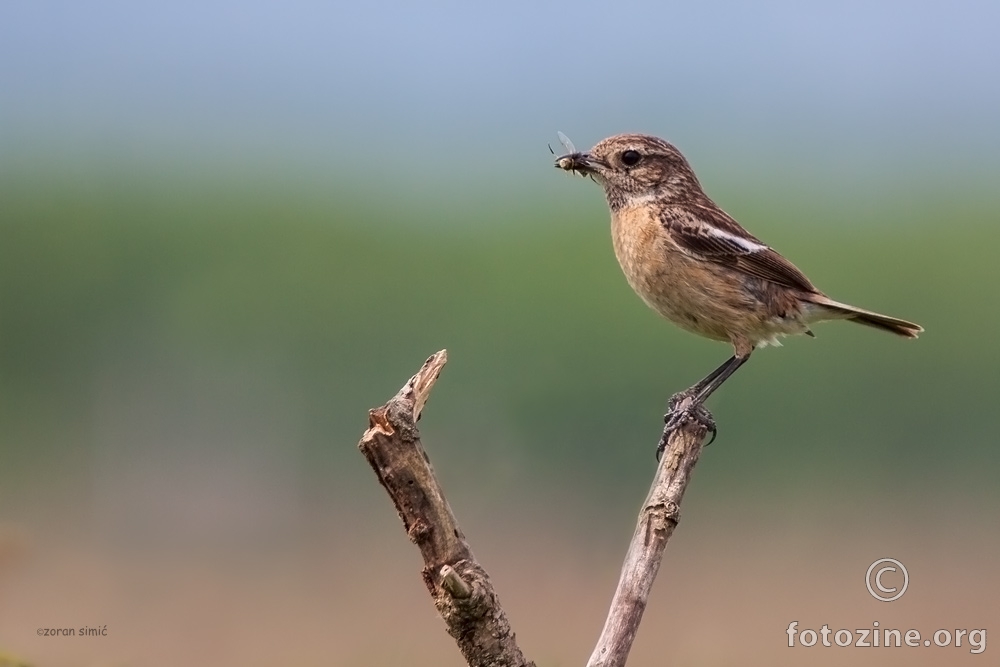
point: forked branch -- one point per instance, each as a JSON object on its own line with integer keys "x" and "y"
{"x": 460, "y": 587}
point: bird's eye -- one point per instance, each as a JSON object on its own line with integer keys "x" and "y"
{"x": 631, "y": 158}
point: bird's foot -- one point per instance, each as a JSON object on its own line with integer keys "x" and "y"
{"x": 680, "y": 409}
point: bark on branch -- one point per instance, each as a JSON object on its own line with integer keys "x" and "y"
{"x": 460, "y": 587}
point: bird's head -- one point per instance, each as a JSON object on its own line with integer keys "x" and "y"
{"x": 635, "y": 168}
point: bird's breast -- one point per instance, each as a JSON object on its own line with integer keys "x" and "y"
{"x": 638, "y": 241}
{"x": 682, "y": 289}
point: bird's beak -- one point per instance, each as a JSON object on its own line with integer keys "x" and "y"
{"x": 580, "y": 163}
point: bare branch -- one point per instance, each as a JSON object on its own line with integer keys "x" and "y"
{"x": 657, "y": 519}
{"x": 461, "y": 588}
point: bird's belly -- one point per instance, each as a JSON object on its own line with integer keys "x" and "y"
{"x": 699, "y": 296}
{"x": 675, "y": 290}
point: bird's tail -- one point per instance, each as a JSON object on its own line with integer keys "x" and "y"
{"x": 836, "y": 310}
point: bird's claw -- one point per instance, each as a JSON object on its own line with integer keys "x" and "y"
{"x": 677, "y": 416}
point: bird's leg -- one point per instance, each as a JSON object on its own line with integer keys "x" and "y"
{"x": 711, "y": 377}
{"x": 689, "y": 401}
{"x": 705, "y": 387}
{"x": 714, "y": 380}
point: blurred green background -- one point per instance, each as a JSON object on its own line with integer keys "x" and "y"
{"x": 200, "y": 300}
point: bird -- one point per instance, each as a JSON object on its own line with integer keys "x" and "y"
{"x": 695, "y": 265}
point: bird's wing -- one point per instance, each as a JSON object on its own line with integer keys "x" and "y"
{"x": 708, "y": 233}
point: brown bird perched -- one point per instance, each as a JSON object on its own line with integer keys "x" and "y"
{"x": 695, "y": 265}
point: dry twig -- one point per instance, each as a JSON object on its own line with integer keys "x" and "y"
{"x": 461, "y": 588}
{"x": 657, "y": 519}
